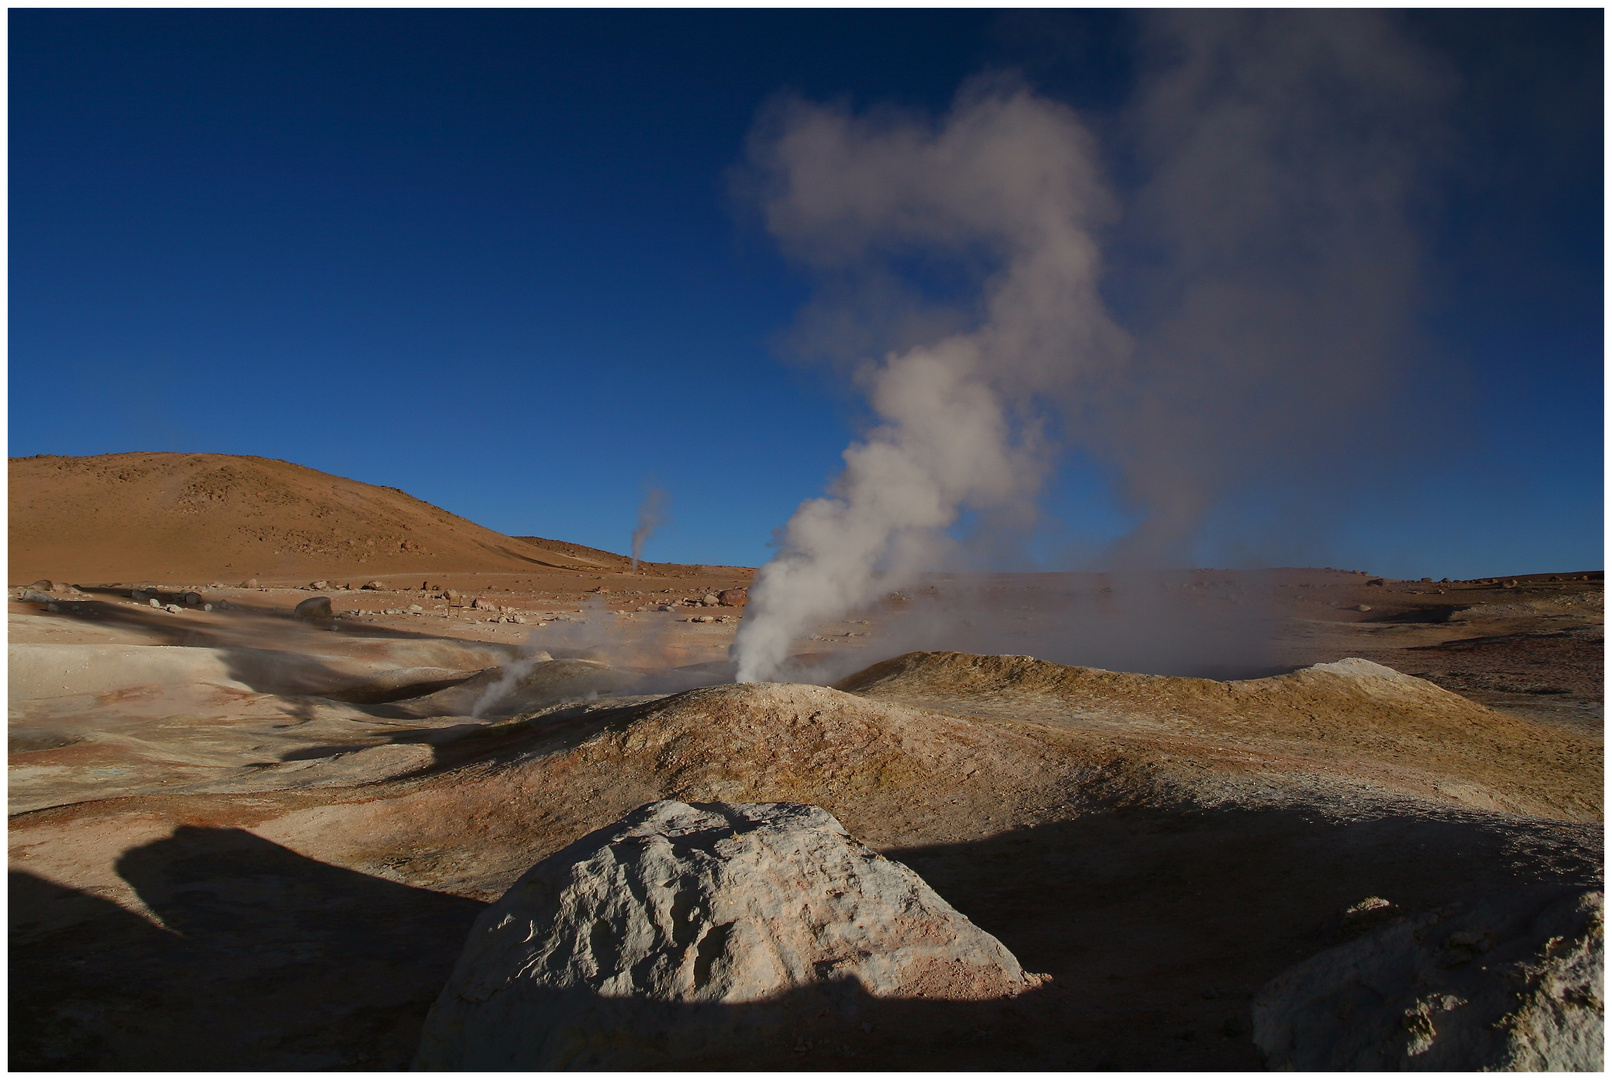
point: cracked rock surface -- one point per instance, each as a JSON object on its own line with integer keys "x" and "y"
{"x": 1511, "y": 982}
{"x": 684, "y": 929}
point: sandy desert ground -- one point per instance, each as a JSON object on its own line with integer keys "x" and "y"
{"x": 245, "y": 840}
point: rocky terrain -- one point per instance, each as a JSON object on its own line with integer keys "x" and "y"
{"x": 241, "y": 838}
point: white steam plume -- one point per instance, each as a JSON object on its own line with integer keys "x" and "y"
{"x": 1004, "y": 192}
{"x": 1267, "y": 261}
{"x": 651, "y": 512}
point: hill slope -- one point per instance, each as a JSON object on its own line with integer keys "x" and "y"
{"x": 191, "y": 516}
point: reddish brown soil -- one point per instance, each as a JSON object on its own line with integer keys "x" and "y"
{"x": 198, "y": 518}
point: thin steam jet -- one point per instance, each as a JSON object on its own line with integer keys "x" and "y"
{"x": 651, "y": 512}
{"x": 631, "y": 658}
{"x": 1273, "y": 296}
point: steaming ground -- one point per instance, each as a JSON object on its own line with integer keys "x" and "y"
{"x": 243, "y": 840}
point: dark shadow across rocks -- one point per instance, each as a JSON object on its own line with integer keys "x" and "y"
{"x": 1158, "y": 926}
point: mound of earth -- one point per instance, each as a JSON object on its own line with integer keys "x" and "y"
{"x": 123, "y": 517}
{"x": 1162, "y": 847}
{"x": 1351, "y": 718}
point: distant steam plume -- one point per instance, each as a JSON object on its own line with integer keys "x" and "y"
{"x": 651, "y": 512}
{"x": 1266, "y": 264}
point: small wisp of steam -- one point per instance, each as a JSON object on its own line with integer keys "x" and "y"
{"x": 651, "y": 513}
{"x": 510, "y": 678}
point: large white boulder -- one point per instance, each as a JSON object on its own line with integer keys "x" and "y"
{"x": 1511, "y": 982}
{"x": 683, "y": 932}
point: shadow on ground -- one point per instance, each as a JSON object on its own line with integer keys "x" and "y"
{"x": 269, "y": 960}
{"x": 1157, "y": 926}
{"x": 243, "y": 622}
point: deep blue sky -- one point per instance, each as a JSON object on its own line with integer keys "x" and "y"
{"x": 491, "y": 258}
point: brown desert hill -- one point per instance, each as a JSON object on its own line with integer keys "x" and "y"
{"x": 610, "y": 562}
{"x": 133, "y": 516}
{"x": 582, "y": 553}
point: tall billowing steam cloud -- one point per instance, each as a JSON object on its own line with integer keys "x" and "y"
{"x": 1005, "y": 191}
{"x": 961, "y": 257}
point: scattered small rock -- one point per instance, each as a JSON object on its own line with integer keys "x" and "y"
{"x": 154, "y": 602}
{"x": 249, "y": 583}
{"x": 172, "y": 609}
{"x": 481, "y": 603}
{"x": 191, "y": 599}
{"x": 710, "y": 600}
{"x": 1362, "y": 607}
{"x": 375, "y": 585}
{"x": 415, "y": 608}
{"x": 319, "y": 585}
{"x": 1367, "y": 915}
{"x": 44, "y": 585}
{"x": 733, "y": 597}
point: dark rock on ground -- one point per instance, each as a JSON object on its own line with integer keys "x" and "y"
{"x": 315, "y": 607}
